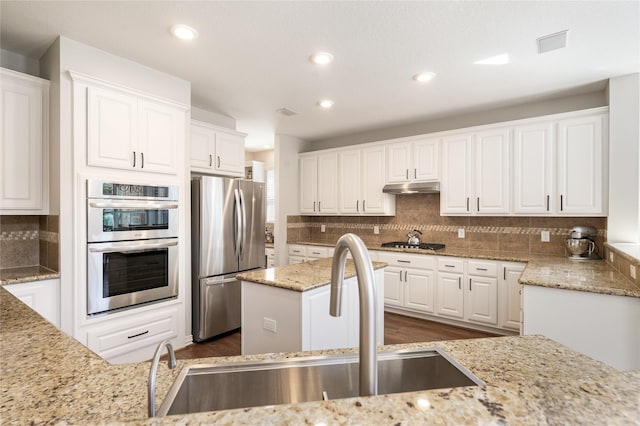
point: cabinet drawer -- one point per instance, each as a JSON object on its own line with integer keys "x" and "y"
{"x": 133, "y": 333}
{"x": 297, "y": 250}
{"x": 450, "y": 264}
{"x": 404, "y": 260}
{"x": 317, "y": 252}
{"x": 483, "y": 269}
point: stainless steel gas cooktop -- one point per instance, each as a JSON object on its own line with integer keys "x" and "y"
{"x": 422, "y": 246}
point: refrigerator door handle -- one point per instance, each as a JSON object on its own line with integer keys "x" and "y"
{"x": 244, "y": 223}
{"x": 238, "y": 223}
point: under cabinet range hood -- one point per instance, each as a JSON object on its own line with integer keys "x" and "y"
{"x": 412, "y": 188}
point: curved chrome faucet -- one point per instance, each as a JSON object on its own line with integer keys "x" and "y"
{"x": 367, "y": 298}
{"x": 151, "y": 391}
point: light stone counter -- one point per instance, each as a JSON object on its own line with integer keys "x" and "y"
{"x": 49, "y": 378}
{"x": 26, "y": 274}
{"x": 594, "y": 276}
{"x": 301, "y": 276}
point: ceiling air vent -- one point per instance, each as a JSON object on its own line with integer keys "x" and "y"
{"x": 552, "y": 41}
{"x": 286, "y": 111}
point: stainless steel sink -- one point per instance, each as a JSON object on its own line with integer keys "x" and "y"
{"x": 250, "y": 384}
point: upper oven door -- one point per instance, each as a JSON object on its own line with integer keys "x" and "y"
{"x": 121, "y": 220}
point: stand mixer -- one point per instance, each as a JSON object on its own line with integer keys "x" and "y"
{"x": 581, "y": 245}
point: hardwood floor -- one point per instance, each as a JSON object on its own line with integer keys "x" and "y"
{"x": 397, "y": 329}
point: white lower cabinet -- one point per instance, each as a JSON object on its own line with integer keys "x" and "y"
{"x": 134, "y": 338}
{"x": 280, "y": 320}
{"x": 449, "y": 291}
{"x": 41, "y": 296}
{"x": 481, "y": 295}
{"x": 409, "y": 281}
{"x": 510, "y": 314}
{"x": 297, "y": 253}
{"x": 271, "y": 257}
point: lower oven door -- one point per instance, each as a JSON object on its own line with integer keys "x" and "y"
{"x": 127, "y": 273}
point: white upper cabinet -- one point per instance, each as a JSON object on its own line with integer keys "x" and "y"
{"x": 361, "y": 179}
{"x": 319, "y": 183}
{"x": 456, "y": 189}
{"x": 582, "y": 160}
{"x": 533, "y": 168}
{"x": 24, "y": 144}
{"x": 475, "y": 173}
{"x": 416, "y": 160}
{"x": 560, "y": 167}
{"x": 492, "y": 150}
{"x": 130, "y": 132}
{"x": 216, "y": 150}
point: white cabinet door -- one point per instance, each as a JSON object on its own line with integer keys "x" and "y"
{"x": 229, "y": 155}
{"x": 308, "y": 185}
{"x": 325, "y": 331}
{"x": 398, "y": 162}
{"x": 41, "y": 296}
{"x": 112, "y": 129}
{"x": 456, "y": 188}
{"x": 162, "y": 128}
{"x": 328, "y": 183}
{"x": 350, "y": 173}
{"x": 482, "y": 300}
{"x": 449, "y": 295}
{"x": 492, "y": 155}
{"x": 426, "y": 160}
{"x": 203, "y": 146}
{"x": 511, "y": 296}
{"x": 419, "y": 290}
{"x": 581, "y": 156}
{"x": 533, "y": 169}
{"x": 24, "y": 160}
{"x": 393, "y": 286}
{"x": 374, "y": 201}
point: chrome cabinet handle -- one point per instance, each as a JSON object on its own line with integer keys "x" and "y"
{"x": 364, "y": 206}
{"x": 319, "y": 206}
{"x": 467, "y": 203}
{"x": 357, "y": 206}
{"x": 218, "y": 161}
{"x": 547, "y": 203}
{"x": 481, "y": 269}
{"x": 403, "y": 261}
{"x": 314, "y": 206}
{"x": 405, "y": 276}
{"x": 210, "y": 160}
{"x": 504, "y": 273}
{"x": 415, "y": 173}
{"x": 478, "y": 204}
{"x": 401, "y": 276}
{"x": 138, "y": 335}
{"x": 134, "y": 159}
{"x": 561, "y": 204}
{"x": 469, "y": 284}
{"x": 449, "y": 266}
{"x": 459, "y": 283}
{"x": 407, "y": 174}
{"x": 142, "y": 156}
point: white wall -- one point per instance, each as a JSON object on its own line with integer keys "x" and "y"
{"x": 624, "y": 160}
{"x": 20, "y": 63}
{"x": 267, "y": 157}
{"x": 213, "y": 118}
{"x": 67, "y": 166}
{"x": 286, "y": 153}
{"x": 593, "y": 99}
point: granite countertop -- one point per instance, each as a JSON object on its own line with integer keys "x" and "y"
{"x": 594, "y": 276}
{"x": 50, "y": 378}
{"x": 26, "y": 274}
{"x": 301, "y": 276}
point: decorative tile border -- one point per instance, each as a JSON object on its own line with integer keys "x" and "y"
{"x": 439, "y": 228}
{"x": 51, "y": 237}
{"x": 19, "y": 235}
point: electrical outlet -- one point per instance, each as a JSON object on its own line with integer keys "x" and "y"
{"x": 544, "y": 236}
{"x": 323, "y": 228}
{"x": 376, "y": 229}
{"x": 632, "y": 271}
{"x": 460, "y": 232}
{"x": 269, "y": 324}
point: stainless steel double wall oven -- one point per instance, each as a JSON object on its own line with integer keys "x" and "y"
{"x": 132, "y": 244}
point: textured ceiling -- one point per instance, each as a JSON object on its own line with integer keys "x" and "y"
{"x": 251, "y": 58}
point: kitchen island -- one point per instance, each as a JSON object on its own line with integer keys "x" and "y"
{"x": 286, "y": 309}
{"x": 49, "y": 378}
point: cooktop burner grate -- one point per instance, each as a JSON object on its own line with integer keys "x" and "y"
{"x": 422, "y": 246}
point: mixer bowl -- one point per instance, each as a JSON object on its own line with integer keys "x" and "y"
{"x": 579, "y": 246}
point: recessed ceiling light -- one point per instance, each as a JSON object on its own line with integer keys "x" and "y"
{"x": 494, "y": 60}
{"x": 184, "y": 32}
{"x": 325, "y": 103}
{"x": 321, "y": 58}
{"x": 423, "y": 77}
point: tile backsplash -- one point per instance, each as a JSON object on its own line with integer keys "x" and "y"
{"x": 29, "y": 241}
{"x": 422, "y": 212}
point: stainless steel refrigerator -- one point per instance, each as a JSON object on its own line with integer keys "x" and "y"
{"x": 227, "y": 226}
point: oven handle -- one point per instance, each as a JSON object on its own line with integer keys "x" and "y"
{"x": 131, "y": 205}
{"x": 134, "y": 248}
